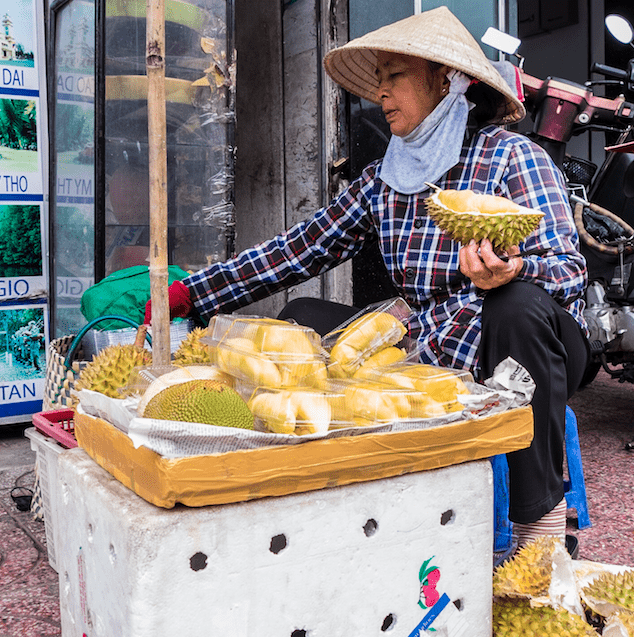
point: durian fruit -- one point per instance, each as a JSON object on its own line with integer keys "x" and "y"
{"x": 240, "y": 357}
{"x": 610, "y": 592}
{"x": 292, "y": 411}
{"x": 179, "y": 375}
{"x": 529, "y": 572}
{"x": 619, "y": 624}
{"x": 201, "y": 401}
{"x": 466, "y": 215}
{"x": 371, "y": 403}
{"x": 387, "y": 356}
{"x": 365, "y": 336}
{"x": 438, "y": 387}
{"x": 518, "y": 618}
{"x": 313, "y": 412}
{"x": 281, "y": 337}
{"x": 275, "y": 411}
{"x": 192, "y": 351}
{"x": 109, "y": 371}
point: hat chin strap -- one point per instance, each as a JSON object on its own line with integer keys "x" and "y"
{"x": 434, "y": 146}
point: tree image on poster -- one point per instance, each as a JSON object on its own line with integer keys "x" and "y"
{"x": 18, "y": 135}
{"x": 20, "y": 241}
{"x": 22, "y": 344}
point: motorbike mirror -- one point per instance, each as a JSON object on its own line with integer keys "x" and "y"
{"x": 501, "y": 41}
{"x": 620, "y": 28}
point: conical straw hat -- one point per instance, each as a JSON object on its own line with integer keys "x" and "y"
{"x": 435, "y": 35}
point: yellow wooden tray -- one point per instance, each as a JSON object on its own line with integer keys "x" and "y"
{"x": 238, "y": 476}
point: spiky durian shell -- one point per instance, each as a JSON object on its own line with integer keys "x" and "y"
{"x": 192, "y": 351}
{"x": 517, "y": 618}
{"x": 503, "y": 228}
{"x": 109, "y": 371}
{"x": 610, "y": 592}
{"x": 529, "y": 572}
{"x": 619, "y": 624}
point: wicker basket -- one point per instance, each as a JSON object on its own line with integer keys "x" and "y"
{"x": 59, "y": 380}
{"x": 61, "y": 373}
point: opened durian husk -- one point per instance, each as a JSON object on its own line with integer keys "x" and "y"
{"x": 541, "y": 571}
{"x": 465, "y": 215}
{"x": 619, "y": 624}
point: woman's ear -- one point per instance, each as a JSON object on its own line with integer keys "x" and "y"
{"x": 445, "y": 81}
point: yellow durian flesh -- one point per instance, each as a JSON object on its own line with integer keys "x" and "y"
{"x": 458, "y": 200}
{"x": 312, "y": 410}
{"x": 376, "y": 403}
{"x": 293, "y": 411}
{"x": 239, "y": 357}
{"x": 434, "y": 389}
{"x": 365, "y": 336}
{"x": 286, "y": 339}
{"x": 275, "y": 411}
{"x": 272, "y": 353}
{"x": 386, "y": 356}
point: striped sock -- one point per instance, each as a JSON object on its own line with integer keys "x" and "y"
{"x": 553, "y": 523}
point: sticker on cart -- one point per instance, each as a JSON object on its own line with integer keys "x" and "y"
{"x": 442, "y": 616}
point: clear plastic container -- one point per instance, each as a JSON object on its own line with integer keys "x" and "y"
{"x": 440, "y": 384}
{"x": 375, "y": 328}
{"x": 373, "y": 403}
{"x": 299, "y": 411}
{"x": 271, "y": 353}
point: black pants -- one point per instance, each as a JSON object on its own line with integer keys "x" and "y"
{"x": 523, "y": 321}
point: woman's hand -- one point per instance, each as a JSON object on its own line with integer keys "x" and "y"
{"x": 479, "y": 263}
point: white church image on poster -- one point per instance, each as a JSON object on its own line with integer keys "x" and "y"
{"x": 7, "y": 41}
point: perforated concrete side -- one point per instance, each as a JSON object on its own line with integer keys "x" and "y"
{"x": 340, "y": 561}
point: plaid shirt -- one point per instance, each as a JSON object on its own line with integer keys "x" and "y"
{"x": 422, "y": 260}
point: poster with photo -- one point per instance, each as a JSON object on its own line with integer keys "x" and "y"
{"x": 21, "y": 263}
{"x": 18, "y": 49}
{"x": 23, "y": 344}
{"x": 20, "y": 162}
{"x": 24, "y": 285}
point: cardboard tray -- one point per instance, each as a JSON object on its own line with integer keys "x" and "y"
{"x": 243, "y": 475}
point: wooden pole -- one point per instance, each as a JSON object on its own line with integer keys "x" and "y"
{"x": 157, "y": 152}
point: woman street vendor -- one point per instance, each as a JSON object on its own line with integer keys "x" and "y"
{"x": 445, "y": 104}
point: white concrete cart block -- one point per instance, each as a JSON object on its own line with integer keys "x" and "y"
{"x": 337, "y": 562}
{"x": 47, "y": 453}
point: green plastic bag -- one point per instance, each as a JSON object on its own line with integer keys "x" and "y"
{"x": 123, "y": 293}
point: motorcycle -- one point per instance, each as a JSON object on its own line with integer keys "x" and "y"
{"x": 602, "y": 197}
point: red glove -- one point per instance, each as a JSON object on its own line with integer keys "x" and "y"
{"x": 179, "y": 301}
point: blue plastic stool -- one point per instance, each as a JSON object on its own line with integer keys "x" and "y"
{"x": 574, "y": 487}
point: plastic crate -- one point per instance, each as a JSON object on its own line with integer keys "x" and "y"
{"x": 57, "y": 424}
{"x": 48, "y": 451}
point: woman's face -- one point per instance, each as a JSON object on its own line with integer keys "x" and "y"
{"x": 408, "y": 90}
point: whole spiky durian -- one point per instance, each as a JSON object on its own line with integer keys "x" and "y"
{"x": 201, "y": 401}
{"x": 517, "y": 618}
{"x": 192, "y": 351}
{"x": 529, "y": 572}
{"x": 109, "y": 371}
{"x": 466, "y": 215}
{"x": 610, "y": 592}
